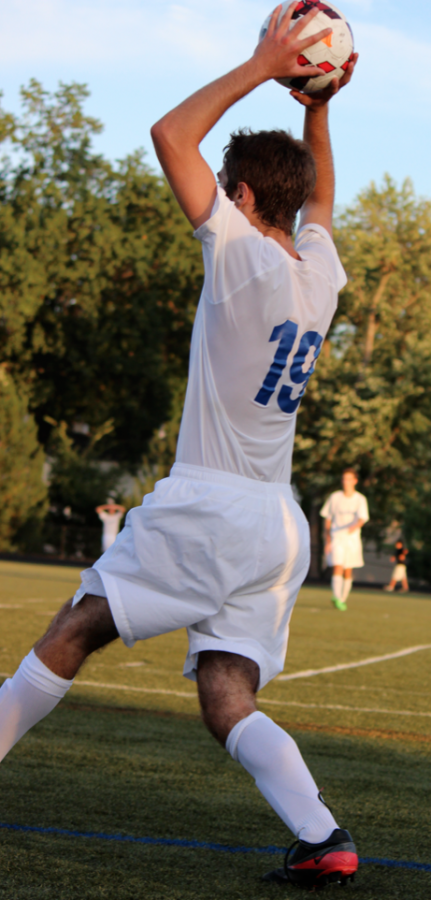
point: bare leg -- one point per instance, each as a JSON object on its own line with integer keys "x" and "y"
{"x": 337, "y": 570}
{"x": 227, "y": 685}
{"x": 405, "y": 585}
{"x": 74, "y": 633}
{"x": 47, "y": 672}
{"x": 390, "y": 586}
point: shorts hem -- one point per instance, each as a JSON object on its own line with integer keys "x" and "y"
{"x": 113, "y": 597}
{"x": 241, "y": 648}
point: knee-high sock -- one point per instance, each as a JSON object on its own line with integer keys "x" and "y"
{"x": 273, "y": 759}
{"x": 347, "y": 587}
{"x": 337, "y": 586}
{"x": 25, "y": 699}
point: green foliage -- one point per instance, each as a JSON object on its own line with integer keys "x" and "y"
{"x": 77, "y": 479}
{"x": 23, "y": 495}
{"x": 160, "y": 457}
{"x": 368, "y": 404}
{"x": 99, "y": 277}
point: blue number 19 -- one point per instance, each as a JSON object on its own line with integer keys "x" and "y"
{"x": 286, "y": 334}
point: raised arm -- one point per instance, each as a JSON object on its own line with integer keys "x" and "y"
{"x": 319, "y": 207}
{"x": 178, "y": 134}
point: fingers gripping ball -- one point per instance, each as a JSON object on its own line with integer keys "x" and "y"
{"x": 332, "y": 54}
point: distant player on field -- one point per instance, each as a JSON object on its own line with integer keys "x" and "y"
{"x": 345, "y": 512}
{"x": 399, "y": 572}
{"x": 221, "y": 546}
{"x": 110, "y": 514}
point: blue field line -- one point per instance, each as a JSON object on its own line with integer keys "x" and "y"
{"x": 198, "y": 845}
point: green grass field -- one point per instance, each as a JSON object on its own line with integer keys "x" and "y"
{"x": 126, "y": 754}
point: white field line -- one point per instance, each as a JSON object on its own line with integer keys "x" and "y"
{"x": 125, "y": 687}
{"x": 142, "y": 690}
{"x": 308, "y": 673}
{"x": 139, "y": 690}
{"x": 364, "y": 709}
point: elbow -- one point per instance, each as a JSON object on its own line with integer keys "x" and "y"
{"x": 157, "y": 134}
{"x": 161, "y": 134}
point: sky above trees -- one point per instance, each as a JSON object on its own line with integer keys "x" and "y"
{"x": 139, "y": 58}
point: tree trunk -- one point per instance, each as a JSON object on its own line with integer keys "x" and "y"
{"x": 372, "y": 322}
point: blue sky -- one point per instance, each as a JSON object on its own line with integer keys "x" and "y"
{"x": 140, "y": 58}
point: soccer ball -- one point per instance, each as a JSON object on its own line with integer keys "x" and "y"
{"x": 332, "y": 54}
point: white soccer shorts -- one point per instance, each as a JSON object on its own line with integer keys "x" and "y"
{"x": 346, "y": 550}
{"x": 220, "y": 554}
{"x": 399, "y": 572}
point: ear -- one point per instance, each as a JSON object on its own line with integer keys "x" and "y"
{"x": 243, "y": 195}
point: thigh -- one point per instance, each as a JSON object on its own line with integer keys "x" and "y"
{"x": 88, "y": 625}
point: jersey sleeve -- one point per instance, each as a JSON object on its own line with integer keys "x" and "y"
{"x": 234, "y": 251}
{"x": 363, "y": 509}
{"x": 326, "y": 511}
{"x": 315, "y": 244}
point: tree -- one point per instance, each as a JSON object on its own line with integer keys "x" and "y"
{"x": 99, "y": 277}
{"x": 23, "y": 494}
{"x": 369, "y": 403}
{"x": 78, "y": 482}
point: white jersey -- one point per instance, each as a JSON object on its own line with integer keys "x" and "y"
{"x": 345, "y": 511}
{"x": 259, "y": 328}
{"x": 111, "y": 525}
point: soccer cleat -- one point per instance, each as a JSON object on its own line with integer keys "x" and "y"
{"x": 313, "y": 866}
{"x": 339, "y": 604}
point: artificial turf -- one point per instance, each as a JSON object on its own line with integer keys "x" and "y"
{"x": 116, "y": 761}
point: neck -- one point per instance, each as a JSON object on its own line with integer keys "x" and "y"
{"x": 277, "y": 234}
{"x": 281, "y": 237}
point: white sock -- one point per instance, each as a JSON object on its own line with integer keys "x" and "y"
{"x": 25, "y": 699}
{"x": 347, "y": 587}
{"x": 273, "y": 759}
{"x": 337, "y": 586}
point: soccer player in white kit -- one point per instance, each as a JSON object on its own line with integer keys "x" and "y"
{"x": 345, "y": 512}
{"x": 110, "y": 514}
{"x": 221, "y": 546}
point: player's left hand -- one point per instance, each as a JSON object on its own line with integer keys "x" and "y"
{"x": 321, "y": 98}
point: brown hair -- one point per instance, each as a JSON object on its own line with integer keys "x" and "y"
{"x": 279, "y": 169}
{"x": 350, "y": 471}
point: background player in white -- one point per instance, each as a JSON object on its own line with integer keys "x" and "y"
{"x": 221, "y": 546}
{"x": 110, "y": 513}
{"x": 345, "y": 512}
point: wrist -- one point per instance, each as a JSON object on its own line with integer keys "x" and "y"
{"x": 258, "y": 69}
{"x": 319, "y": 111}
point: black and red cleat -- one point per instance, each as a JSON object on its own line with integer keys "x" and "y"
{"x": 313, "y": 866}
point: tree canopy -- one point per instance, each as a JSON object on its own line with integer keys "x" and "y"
{"x": 23, "y": 493}
{"x": 99, "y": 277}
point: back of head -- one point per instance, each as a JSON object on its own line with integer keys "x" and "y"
{"x": 279, "y": 169}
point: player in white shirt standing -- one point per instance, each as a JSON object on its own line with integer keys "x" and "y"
{"x": 110, "y": 514}
{"x": 345, "y": 512}
{"x": 221, "y": 546}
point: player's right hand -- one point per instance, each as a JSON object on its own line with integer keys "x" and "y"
{"x": 276, "y": 55}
